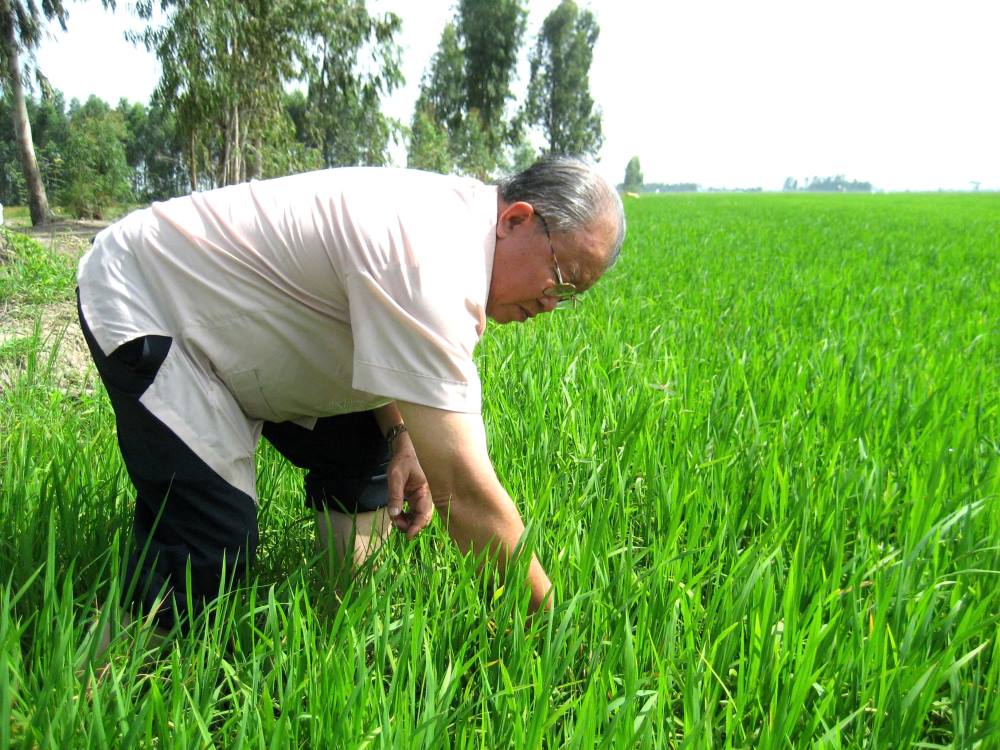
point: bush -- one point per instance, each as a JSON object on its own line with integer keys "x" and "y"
{"x": 97, "y": 171}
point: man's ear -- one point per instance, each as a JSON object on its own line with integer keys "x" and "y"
{"x": 513, "y": 214}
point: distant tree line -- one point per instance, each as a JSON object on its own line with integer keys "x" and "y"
{"x": 672, "y": 187}
{"x": 92, "y": 155}
{"x": 255, "y": 88}
{"x": 634, "y": 183}
{"x": 838, "y": 184}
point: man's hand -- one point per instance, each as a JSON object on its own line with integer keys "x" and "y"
{"x": 476, "y": 509}
{"x": 406, "y": 480}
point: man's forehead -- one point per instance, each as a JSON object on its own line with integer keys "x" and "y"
{"x": 592, "y": 247}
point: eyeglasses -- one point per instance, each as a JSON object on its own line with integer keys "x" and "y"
{"x": 563, "y": 291}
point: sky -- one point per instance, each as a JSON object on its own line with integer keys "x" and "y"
{"x": 722, "y": 93}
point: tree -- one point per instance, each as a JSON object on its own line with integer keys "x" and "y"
{"x": 96, "y": 150}
{"x": 343, "y": 112}
{"x": 491, "y": 33}
{"x": 155, "y": 154}
{"x": 633, "y": 175}
{"x": 559, "y": 90}
{"x": 429, "y": 144}
{"x": 440, "y": 107}
{"x": 226, "y": 63}
{"x": 464, "y": 94}
{"x": 215, "y": 81}
{"x": 442, "y": 90}
{"x": 20, "y": 32}
{"x": 838, "y": 184}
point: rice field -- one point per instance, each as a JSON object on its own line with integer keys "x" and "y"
{"x": 760, "y": 461}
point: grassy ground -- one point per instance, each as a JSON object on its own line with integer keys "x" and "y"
{"x": 16, "y": 216}
{"x": 761, "y": 461}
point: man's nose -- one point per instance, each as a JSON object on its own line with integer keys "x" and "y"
{"x": 548, "y": 303}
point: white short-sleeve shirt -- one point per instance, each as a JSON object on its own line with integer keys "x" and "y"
{"x": 299, "y": 297}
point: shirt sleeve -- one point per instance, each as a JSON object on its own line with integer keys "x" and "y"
{"x": 414, "y": 333}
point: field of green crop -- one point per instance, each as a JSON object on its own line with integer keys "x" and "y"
{"x": 761, "y": 463}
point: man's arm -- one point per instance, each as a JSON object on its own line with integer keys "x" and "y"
{"x": 477, "y": 510}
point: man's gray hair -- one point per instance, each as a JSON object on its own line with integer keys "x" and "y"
{"x": 569, "y": 194}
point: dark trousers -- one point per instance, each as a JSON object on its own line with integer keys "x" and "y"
{"x": 187, "y": 515}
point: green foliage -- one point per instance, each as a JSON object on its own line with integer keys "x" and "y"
{"x": 442, "y": 91}
{"x": 429, "y": 144}
{"x": 28, "y": 22}
{"x": 471, "y": 143}
{"x": 633, "y": 175}
{"x": 16, "y": 215}
{"x": 219, "y": 115}
{"x": 523, "y": 157}
{"x": 13, "y": 190}
{"x": 440, "y": 108}
{"x": 280, "y": 153}
{"x": 766, "y": 494}
{"x": 464, "y": 93}
{"x": 559, "y": 92}
{"x": 32, "y": 274}
{"x": 343, "y": 114}
{"x": 220, "y": 91}
{"x": 491, "y": 32}
{"x": 153, "y": 150}
{"x": 99, "y": 175}
{"x": 838, "y": 184}
{"x": 225, "y": 65}
{"x": 155, "y": 168}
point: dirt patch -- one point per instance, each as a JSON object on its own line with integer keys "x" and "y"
{"x": 47, "y": 338}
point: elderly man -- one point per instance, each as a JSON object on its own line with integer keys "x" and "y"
{"x": 335, "y": 313}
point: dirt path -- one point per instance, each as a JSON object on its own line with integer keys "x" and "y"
{"x": 65, "y": 235}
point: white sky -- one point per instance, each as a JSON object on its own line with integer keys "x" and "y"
{"x": 724, "y": 93}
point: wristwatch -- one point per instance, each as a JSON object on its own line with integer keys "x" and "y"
{"x": 394, "y": 432}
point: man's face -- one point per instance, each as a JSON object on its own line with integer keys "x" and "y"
{"x": 524, "y": 267}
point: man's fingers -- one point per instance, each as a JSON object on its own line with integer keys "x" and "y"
{"x": 421, "y": 510}
{"x": 395, "y": 505}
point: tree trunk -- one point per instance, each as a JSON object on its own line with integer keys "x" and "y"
{"x": 193, "y": 162}
{"x": 257, "y": 168}
{"x": 237, "y": 175}
{"x": 38, "y": 202}
{"x": 222, "y": 166}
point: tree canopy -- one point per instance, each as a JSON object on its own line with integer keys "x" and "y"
{"x": 559, "y": 97}
{"x": 459, "y": 120}
{"x": 225, "y": 66}
{"x": 491, "y": 32}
